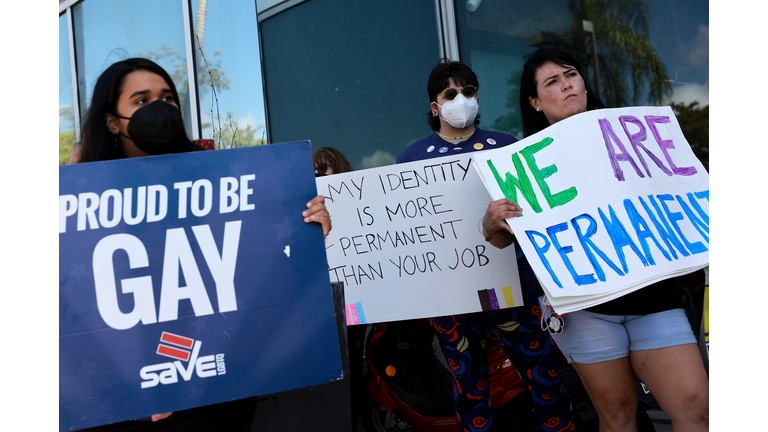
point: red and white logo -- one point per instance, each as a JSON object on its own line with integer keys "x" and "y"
{"x": 178, "y": 341}
{"x": 181, "y": 349}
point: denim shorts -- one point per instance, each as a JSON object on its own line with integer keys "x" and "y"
{"x": 591, "y": 338}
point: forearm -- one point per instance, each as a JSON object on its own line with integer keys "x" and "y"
{"x": 497, "y": 237}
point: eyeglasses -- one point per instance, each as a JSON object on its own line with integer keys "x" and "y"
{"x": 468, "y": 92}
{"x": 322, "y": 168}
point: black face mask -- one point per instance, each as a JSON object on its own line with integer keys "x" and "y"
{"x": 156, "y": 128}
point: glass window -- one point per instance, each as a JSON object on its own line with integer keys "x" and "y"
{"x": 109, "y": 31}
{"x": 351, "y": 75}
{"x": 680, "y": 34}
{"x": 496, "y": 37}
{"x": 227, "y": 31}
{"x": 66, "y": 107}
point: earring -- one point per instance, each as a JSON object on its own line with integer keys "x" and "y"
{"x": 115, "y": 140}
{"x": 434, "y": 113}
{"x": 538, "y": 109}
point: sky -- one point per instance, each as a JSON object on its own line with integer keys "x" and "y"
{"x": 680, "y": 33}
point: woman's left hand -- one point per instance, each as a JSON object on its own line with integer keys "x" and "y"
{"x": 316, "y": 212}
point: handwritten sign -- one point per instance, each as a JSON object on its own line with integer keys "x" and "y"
{"x": 613, "y": 200}
{"x": 406, "y": 244}
{"x": 188, "y": 280}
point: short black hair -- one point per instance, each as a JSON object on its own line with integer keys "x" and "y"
{"x": 535, "y": 121}
{"x": 439, "y": 80}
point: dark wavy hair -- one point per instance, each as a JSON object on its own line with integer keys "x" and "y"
{"x": 98, "y": 143}
{"x": 439, "y": 80}
{"x": 334, "y": 158}
{"x": 535, "y": 121}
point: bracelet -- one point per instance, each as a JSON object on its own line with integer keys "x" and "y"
{"x": 480, "y": 228}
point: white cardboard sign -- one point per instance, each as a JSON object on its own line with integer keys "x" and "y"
{"x": 613, "y": 200}
{"x": 406, "y": 244}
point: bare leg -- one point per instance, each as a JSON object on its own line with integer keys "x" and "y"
{"x": 677, "y": 379}
{"x": 611, "y": 386}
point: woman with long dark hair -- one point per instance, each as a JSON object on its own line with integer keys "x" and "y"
{"x": 646, "y": 331}
{"x": 134, "y": 112}
{"x": 158, "y": 127}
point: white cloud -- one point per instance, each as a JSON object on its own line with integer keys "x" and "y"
{"x": 687, "y": 93}
{"x": 242, "y": 122}
{"x": 698, "y": 50}
{"x": 379, "y": 158}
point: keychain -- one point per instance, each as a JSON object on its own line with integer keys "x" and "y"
{"x": 555, "y": 322}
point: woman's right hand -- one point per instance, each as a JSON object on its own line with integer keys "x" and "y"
{"x": 495, "y": 224}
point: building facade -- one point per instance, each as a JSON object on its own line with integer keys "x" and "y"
{"x": 352, "y": 74}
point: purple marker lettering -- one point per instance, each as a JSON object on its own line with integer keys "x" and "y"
{"x": 637, "y": 139}
{"x": 667, "y": 145}
{"x": 608, "y": 133}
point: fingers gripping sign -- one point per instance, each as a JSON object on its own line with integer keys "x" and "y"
{"x": 494, "y": 222}
{"x": 316, "y": 212}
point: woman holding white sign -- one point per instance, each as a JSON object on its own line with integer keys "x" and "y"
{"x": 645, "y": 331}
{"x": 452, "y": 88}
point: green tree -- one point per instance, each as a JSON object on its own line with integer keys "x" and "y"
{"x": 694, "y": 122}
{"x": 66, "y": 136}
{"x": 629, "y": 65}
{"x": 233, "y": 136}
{"x": 208, "y": 73}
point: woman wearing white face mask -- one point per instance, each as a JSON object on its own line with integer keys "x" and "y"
{"x": 452, "y": 89}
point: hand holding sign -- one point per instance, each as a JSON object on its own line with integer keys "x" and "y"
{"x": 495, "y": 227}
{"x": 406, "y": 242}
{"x": 614, "y": 227}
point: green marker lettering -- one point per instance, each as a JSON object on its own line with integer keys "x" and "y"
{"x": 557, "y": 199}
{"x": 510, "y": 184}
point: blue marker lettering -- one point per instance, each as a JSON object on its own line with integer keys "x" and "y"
{"x": 587, "y": 244}
{"x": 564, "y": 251}
{"x": 619, "y": 237}
{"x": 643, "y": 231}
{"x": 540, "y": 250}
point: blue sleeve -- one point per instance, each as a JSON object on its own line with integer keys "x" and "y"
{"x": 404, "y": 156}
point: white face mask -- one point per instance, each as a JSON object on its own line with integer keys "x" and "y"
{"x": 460, "y": 112}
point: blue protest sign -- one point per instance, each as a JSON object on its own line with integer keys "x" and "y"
{"x": 187, "y": 280}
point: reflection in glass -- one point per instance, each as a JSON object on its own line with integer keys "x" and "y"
{"x": 232, "y": 112}
{"x": 634, "y": 57}
{"x": 495, "y": 38}
{"x": 351, "y": 75}
{"x": 109, "y": 31}
{"x": 66, "y": 107}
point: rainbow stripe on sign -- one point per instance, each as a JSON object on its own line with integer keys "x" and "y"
{"x": 355, "y": 314}
{"x": 489, "y": 300}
